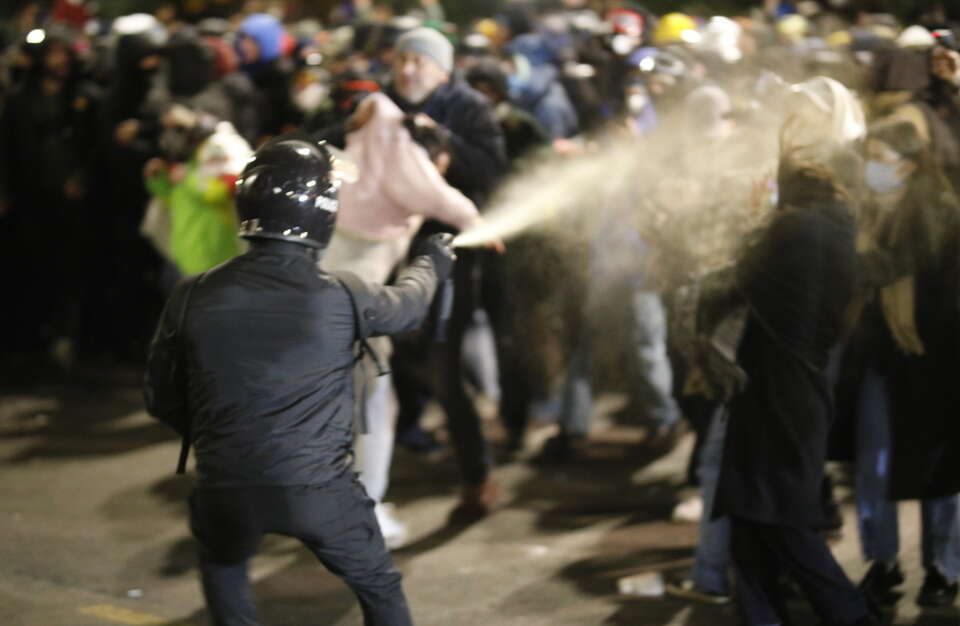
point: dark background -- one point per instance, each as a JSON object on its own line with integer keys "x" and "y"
{"x": 464, "y": 10}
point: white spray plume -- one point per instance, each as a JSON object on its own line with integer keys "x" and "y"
{"x": 552, "y": 186}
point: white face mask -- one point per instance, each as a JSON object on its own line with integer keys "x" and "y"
{"x": 883, "y": 178}
{"x": 309, "y": 99}
{"x": 637, "y": 102}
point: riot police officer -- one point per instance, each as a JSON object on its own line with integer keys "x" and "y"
{"x": 252, "y": 364}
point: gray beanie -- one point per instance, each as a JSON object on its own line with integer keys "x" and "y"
{"x": 429, "y": 43}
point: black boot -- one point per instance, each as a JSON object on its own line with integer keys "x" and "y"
{"x": 879, "y": 583}
{"x": 936, "y": 591}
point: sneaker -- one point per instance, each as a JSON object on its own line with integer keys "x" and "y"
{"x": 936, "y": 590}
{"x": 879, "y": 582}
{"x": 394, "y": 531}
{"x": 688, "y": 591}
{"x": 476, "y": 503}
{"x": 688, "y": 511}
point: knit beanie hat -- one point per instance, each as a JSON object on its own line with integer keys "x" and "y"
{"x": 429, "y": 43}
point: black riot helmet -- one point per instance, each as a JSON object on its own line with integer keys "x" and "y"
{"x": 288, "y": 191}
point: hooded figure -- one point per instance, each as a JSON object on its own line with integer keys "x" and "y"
{"x": 535, "y": 87}
{"x": 129, "y": 134}
{"x": 190, "y": 83}
{"x": 136, "y": 60}
{"x": 797, "y": 282}
{"x": 260, "y": 41}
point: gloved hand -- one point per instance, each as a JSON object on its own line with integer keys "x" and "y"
{"x": 439, "y": 248}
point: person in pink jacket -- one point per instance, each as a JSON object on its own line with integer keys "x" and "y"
{"x": 399, "y": 185}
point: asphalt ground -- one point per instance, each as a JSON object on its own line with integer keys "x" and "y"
{"x": 92, "y": 520}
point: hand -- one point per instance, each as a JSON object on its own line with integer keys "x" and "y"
{"x": 422, "y": 119}
{"x": 496, "y": 245}
{"x": 362, "y": 115}
{"x": 946, "y": 65}
{"x": 177, "y": 172}
{"x": 439, "y": 248}
{"x": 74, "y": 189}
{"x": 126, "y": 131}
{"x": 179, "y": 116}
{"x": 153, "y": 167}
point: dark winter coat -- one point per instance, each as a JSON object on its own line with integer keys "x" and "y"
{"x": 46, "y": 140}
{"x": 923, "y": 392}
{"x": 798, "y": 281}
{"x": 479, "y": 158}
{"x": 542, "y": 94}
{"x": 260, "y": 374}
{"x": 271, "y": 75}
{"x": 925, "y": 396}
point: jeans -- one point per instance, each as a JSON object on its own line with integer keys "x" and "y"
{"x": 876, "y": 513}
{"x": 650, "y": 343}
{"x": 649, "y": 335}
{"x": 480, "y": 355}
{"x": 712, "y": 556}
{"x": 576, "y": 397}
{"x": 335, "y": 521}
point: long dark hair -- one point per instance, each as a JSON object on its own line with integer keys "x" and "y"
{"x": 805, "y": 184}
{"x": 919, "y": 226}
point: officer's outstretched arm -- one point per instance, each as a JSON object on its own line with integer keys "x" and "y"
{"x": 402, "y": 306}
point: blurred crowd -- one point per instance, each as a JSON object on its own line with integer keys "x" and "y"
{"x": 685, "y": 147}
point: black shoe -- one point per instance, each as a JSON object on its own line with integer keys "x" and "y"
{"x": 880, "y": 581}
{"x": 562, "y": 448}
{"x": 418, "y": 440}
{"x": 936, "y": 591}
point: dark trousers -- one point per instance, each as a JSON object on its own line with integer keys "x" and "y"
{"x": 335, "y": 521}
{"x": 762, "y": 553}
{"x": 444, "y": 380}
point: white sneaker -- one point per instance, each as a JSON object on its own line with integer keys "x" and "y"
{"x": 690, "y": 510}
{"x": 688, "y": 591}
{"x": 394, "y": 531}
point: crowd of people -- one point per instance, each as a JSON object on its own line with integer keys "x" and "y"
{"x": 748, "y": 224}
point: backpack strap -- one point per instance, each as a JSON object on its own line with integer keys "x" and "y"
{"x": 354, "y": 286}
{"x": 186, "y": 440}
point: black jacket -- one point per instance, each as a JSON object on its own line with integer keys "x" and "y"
{"x": 798, "y": 282}
{"x": 260, "y": 374}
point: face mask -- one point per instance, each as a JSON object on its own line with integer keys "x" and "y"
{"x": 636, "y": 103}
{"x": 309, "y": 99}
{"x": 882, "y": 178}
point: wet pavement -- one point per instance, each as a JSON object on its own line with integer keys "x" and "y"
{"x": 93, "y": 525}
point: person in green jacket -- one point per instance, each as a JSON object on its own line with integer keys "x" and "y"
{"x": 191, "y": 219}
